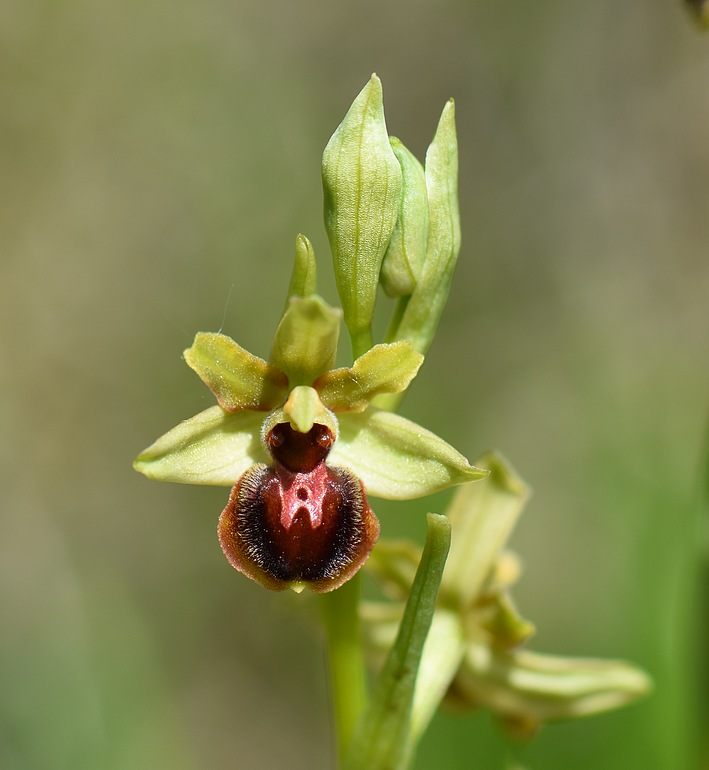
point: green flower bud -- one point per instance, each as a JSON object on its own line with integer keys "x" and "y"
{"x": 304, "y": 279}
{"x": 362, "y": 187}
{"x": 425, "y": 307}
{"x": 404, "y": 258}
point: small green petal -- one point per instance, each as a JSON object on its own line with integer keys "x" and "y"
{"x": 362, "y": 186}
{"x": 304, "y": 279}
{"x": 213, "y": 447}
{"x": 305, "y": 343}
{"x": 303, "y": 408}
{"x": 482, "y": 516}
{"x": 538, "y": 688}
{"x": 406, "y": 252}
{"x": 397, "y": 459}
{"x": 382, "y": 369}
{"x": 237, "y": 378}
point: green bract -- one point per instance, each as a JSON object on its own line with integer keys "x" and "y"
{"x": 394, "y": 457}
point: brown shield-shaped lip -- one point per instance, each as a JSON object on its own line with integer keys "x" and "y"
{"x": 303, "y": 525}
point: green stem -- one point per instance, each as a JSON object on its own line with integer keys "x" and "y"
{"x": 344, "y": 647}
{"x": 362, "y": 341}
{"x": 397, "y": 315}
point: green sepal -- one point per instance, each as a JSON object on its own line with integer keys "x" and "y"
{"x": 482, "y": 516}
{"x": 305, "y": 343}
{"x": 404, "y": 257}
{"x": 362, "y": 187}
{"x": 425, "y": 306}
{"x": 304, "y": 278}
{"x": 530, "y": 688}
{"x": 382, "y": 369}
{"x": 237, "y": 378}
{"x": 382, "y": 740}
{"x": 213, "y": 447}
{"x": 397, "y": 459}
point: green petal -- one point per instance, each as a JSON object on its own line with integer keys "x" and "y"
{"x": 213, "y": 447}
{"x": 305, "y": 343}
{"x": 396, "y": 458}
{"x": 382, "y": 369}
{"x": 304, "y": 278}
{"x": 237, "y": 378}
{"x": 482, "y": 516}
{"x": 535, "y": 688}
{"x": 362, "y": 186}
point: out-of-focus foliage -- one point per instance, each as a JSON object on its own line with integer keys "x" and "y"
{"x": 153, "y": 157}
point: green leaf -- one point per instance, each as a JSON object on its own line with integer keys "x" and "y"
{"x": 405, "y": 255}
{"x": 382, "y": 739}
{"x": 482, "y": 517}
{"x": 305, "y": 343}
{"x": 213, "y": 447}
{"x": 397, "y": 459}
{"x": 362, "y": 186}
{"x": 382, "y": 369}
{"x": 532, "y": 688}
{"x": 237, "y": 378}
{"x": 304, "y": 279}
{"x": 425, "y": 306}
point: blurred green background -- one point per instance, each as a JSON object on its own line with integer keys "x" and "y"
{"x": 154, "y": 155}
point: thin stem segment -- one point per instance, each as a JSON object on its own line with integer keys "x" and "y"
{"x": 347, "y": 672}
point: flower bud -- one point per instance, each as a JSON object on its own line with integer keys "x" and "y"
{"x": 425, "y": 307}
{"x": 362, "y": 188}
